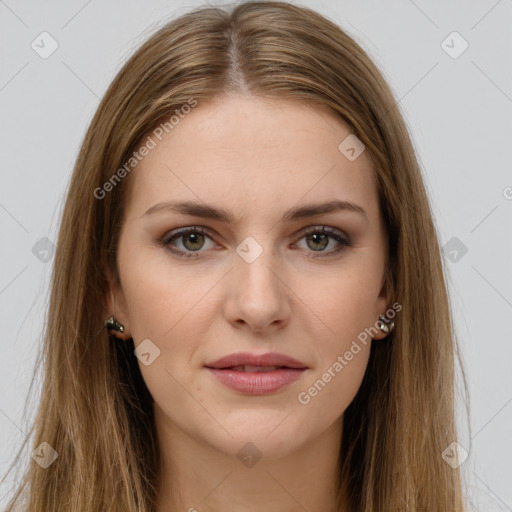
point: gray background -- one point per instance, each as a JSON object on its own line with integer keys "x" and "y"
{"x": 459, "y": 111}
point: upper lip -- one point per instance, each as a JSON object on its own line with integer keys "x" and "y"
{"x": 245, "y": 358}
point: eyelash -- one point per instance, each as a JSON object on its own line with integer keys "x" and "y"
{"x": 169, "y": 237}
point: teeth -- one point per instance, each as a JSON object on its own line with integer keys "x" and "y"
{"x": 250, "y": 368}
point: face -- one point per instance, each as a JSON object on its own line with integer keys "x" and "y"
{"x": 260, "y": 281}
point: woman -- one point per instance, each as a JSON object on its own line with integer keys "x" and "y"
{"x": 248, "y": 309}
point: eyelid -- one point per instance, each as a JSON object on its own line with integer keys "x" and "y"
{"x": 324, "y": 229}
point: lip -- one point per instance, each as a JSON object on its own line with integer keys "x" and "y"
{"x": 268, "y": 359}
{"x": 258, "y": 382}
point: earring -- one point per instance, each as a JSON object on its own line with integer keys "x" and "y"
{"x": 385, "y": 325}
{"x": 113, "y": 326}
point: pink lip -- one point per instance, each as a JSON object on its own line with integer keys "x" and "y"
{"x": 256, "y": 383}
{"x": 269, "y": 359}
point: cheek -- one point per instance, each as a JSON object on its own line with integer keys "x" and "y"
{"x": 326, "y": 395}
{"x": 158, "y": 295}
{"x": 345, "y": 307}
{"x": 334, "y": 383}
{"x": 171, "y": 308}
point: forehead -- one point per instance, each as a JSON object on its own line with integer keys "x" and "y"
{"x": 247, "y": 152}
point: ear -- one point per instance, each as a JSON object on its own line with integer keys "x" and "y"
{"x": 382, "y": 303}
{"x": 114, "y": 302}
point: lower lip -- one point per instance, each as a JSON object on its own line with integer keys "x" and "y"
{"x": 257, "y": 383}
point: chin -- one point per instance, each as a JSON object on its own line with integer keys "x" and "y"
{"x": 267, "y": 439}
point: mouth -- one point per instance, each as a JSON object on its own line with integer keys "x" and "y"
{"x": 252, "y": 374}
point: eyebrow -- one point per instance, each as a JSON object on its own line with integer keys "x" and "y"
{"x": 220, "y": 214}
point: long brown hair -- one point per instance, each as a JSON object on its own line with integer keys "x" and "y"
{"x": 95, "y": 410}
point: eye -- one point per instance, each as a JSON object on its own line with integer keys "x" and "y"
{"x": 193, "y": 239}
{"x": 318, "y": 239}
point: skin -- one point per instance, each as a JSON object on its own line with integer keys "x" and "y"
{"x": 256, "y": 158}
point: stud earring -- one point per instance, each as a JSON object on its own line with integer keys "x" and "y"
{"x": 113, "y": 326}
{"x": 385, "y": 325}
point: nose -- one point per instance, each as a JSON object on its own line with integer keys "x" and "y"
{"x": 257, "y": 295}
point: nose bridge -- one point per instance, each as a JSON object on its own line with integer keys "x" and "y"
{"x": 256, "y": 264}
{"x": 257, "y": 295}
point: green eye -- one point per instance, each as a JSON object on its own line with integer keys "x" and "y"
{"x": 317, "y": 239}
{"x": 193, "y": 240}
